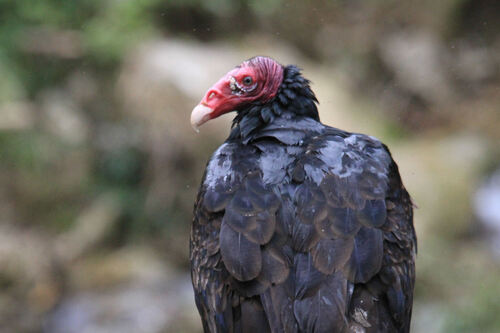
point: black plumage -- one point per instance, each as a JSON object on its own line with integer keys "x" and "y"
{"x": 301, "y": 227}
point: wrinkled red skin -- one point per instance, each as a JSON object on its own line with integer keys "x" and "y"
{"x": 266, "y": 75}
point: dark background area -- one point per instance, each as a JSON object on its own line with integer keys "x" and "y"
{"x": 99, "y": 166}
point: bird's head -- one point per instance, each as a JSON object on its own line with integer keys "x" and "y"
{"x": 254, "y": 81}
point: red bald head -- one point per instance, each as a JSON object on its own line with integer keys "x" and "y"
{"x": 256, "y": 79}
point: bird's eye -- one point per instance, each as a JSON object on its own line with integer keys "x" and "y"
{"x": 247, "y": 80}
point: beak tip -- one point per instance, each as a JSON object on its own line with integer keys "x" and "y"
{"x": 199, "y": 116}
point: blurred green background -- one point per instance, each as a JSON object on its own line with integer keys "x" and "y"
{"x": 99, "y": 166}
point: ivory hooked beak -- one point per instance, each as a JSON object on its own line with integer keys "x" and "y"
{"x": 200, "y": 115}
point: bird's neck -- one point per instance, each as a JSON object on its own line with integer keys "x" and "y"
{"x": 294, "y": 99}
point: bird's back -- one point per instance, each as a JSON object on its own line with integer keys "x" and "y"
{"x": 303, "y": 228}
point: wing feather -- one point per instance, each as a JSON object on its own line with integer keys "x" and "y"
{"x": 240, "y": 255}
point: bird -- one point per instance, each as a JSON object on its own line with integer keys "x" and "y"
{"x": 298, "y": 226}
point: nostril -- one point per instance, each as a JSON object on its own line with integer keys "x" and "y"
{"x": 212, "y": 95}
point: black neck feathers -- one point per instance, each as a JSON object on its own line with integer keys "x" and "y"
{"x": 294, "y": 99}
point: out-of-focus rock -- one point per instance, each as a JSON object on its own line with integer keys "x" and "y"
{"x": 487, "y": 209}
{"x": 16, "y": 116}
{"x": 439, "y": 173}
{"x": 428, "y": 318}
{"x": 25, "y": 256}
{"x": 89, "y": 228}
{"x": 63, "y": 118}
{"x": 83, "y": 86}
{"x": 51, "y": 42}
{"x": 130, "y": 290}
{"x": 29, "y": 286}
{"x": 474, "y": 64}
{"x": 114, "y": 136}
{"x": 135, "y": 308}
{"x": 416, "y": 59}
{"x": 106, "y": 269}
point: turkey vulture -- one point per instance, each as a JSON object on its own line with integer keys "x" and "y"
{"x": 298, "y": 226}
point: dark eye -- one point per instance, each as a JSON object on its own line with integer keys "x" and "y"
{"x": 247, "y": 80}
